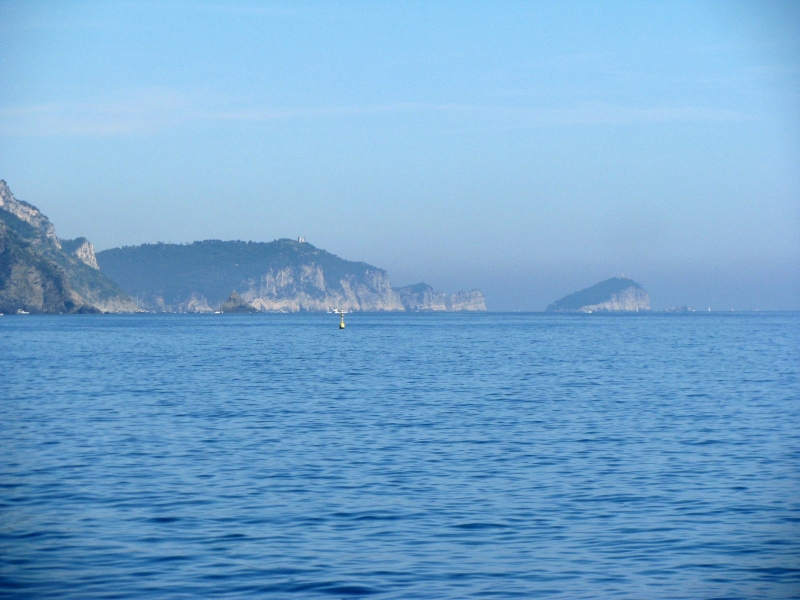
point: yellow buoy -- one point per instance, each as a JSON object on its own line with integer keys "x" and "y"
{"x": 341, "y": 321}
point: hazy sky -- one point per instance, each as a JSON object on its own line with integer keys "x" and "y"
{"x": 527, "y": 149}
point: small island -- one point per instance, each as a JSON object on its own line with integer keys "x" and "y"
{"x": 618, "y": 294}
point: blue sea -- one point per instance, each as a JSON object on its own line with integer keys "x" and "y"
{"x": 407, "y": 456}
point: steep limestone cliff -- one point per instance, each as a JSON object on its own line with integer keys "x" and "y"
{"x": 39, "y": 276}
{"x": 472, "y": 301}
{"x": 304, "y": 288}
{"x": 422, "y": 297}
{"x": 27, "y": 213}
{"x": 81, "y": 248}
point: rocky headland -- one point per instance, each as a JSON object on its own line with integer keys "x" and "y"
{"x": 40, "y": 273}
{"x": 618, "y": 294}
{"x": 280, "y": 276}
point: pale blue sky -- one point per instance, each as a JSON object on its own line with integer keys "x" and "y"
{"x": 526, "y": 149}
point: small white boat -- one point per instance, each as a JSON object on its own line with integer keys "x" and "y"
{"x": 22, "y": 312}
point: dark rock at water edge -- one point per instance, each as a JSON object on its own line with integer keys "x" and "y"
{"x": 236, "y": 304}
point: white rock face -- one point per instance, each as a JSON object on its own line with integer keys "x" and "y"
{"x": 629, "y": 300}
{"x": 303, "y": 288}
{"x": 196, "y": 304}
{"x": 85, "y": 252}
{"x": 467, "y": 301}
{"x": 279, "y": 276}
{"x": 423, "y": 298}
{"x": 78, "y": 288}
{"x": 28, "y": 213}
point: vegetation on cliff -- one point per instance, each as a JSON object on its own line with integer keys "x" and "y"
{"x": 180, "y": 277}
{"x": 28, "y": 281}
{"x": 283, "y": 275}
{"x": 41, "y": 273}
{"x": 36, "y": 273}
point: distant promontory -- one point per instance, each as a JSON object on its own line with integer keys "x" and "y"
{"x": 280, "y": 276}
{"x": 618, "y": 294}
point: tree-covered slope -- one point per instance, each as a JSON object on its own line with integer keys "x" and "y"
{"x": 57, "y": 280}
{"x": 280, "y": 275}
{"x": 28, "y": 281}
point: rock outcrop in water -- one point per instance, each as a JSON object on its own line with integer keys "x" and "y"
{"x": 618, "y": 294}
{"x": 284, "y": 275}
{"x": 38, "y": 275}
{"x": 236, "y": 304}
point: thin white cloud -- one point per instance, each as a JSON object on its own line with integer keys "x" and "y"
{"x": 138, "y": 112}
{"x": 145, "y": 112}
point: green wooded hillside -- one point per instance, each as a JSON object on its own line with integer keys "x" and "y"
{"x": 215, "y": 268}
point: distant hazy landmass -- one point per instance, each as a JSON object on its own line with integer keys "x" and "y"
{"x": 284, "y": 275}
{"x": 618, "y": 294}
{"x": 422, "y": 297}
{"x": 40, "y": 273}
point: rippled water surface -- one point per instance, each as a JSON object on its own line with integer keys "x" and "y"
{"x": 437, "y": 456}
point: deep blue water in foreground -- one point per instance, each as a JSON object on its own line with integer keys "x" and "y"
{"x": 430, "y": 456}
